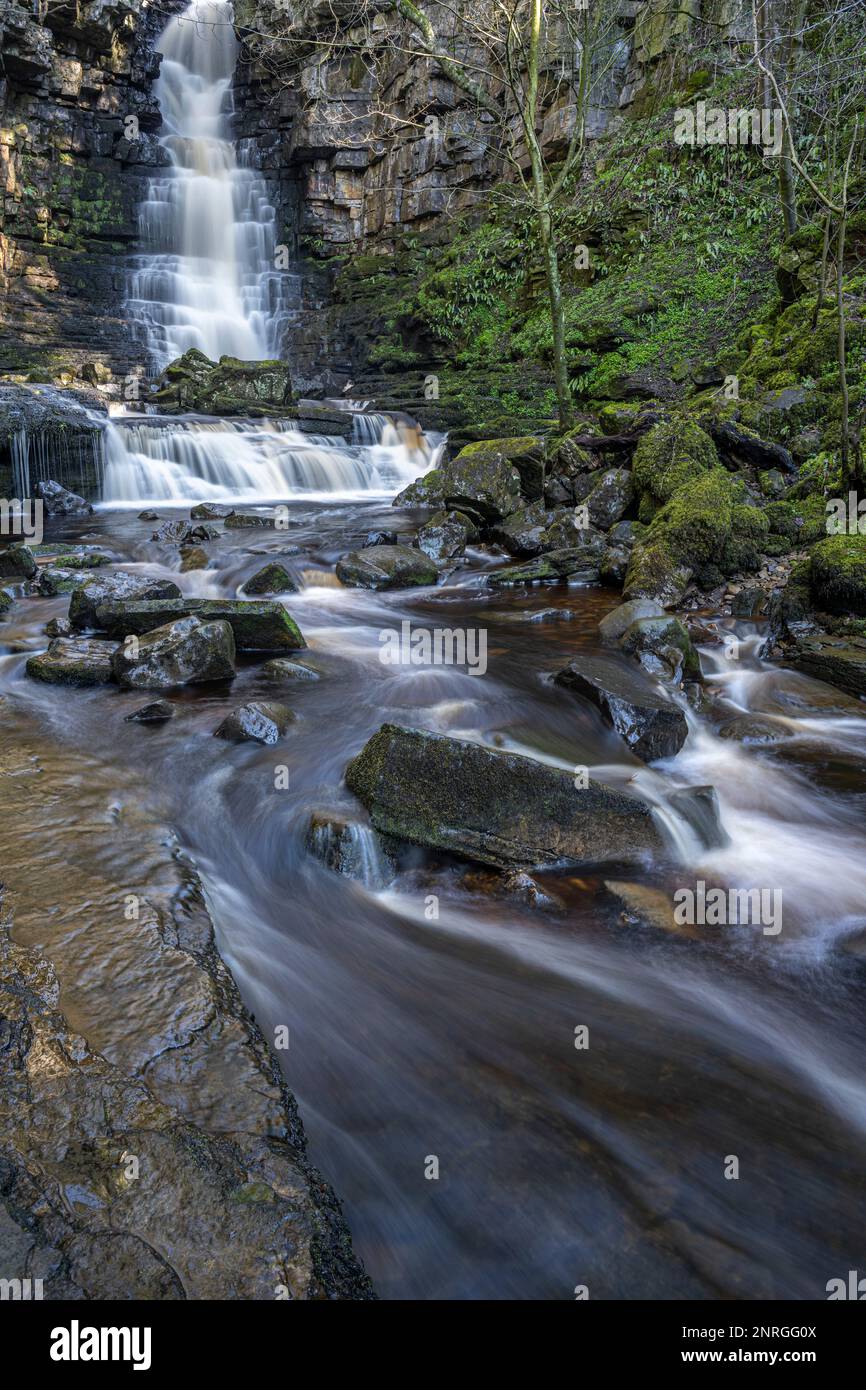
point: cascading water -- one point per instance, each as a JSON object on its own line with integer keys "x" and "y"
{"x": 208, "y": 276}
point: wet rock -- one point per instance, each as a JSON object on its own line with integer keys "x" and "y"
{"x": 613, "y": 626}
{"x": 186, "y": 652}
{"x": 249, "y": 521}
{"x": 273, "y": 579}
{"x": 256, "y": 723}
{"x": 259, "y": 625}
{"x": 17, "y": 562}
{"x": 59, "y": 501}
{"x": 58, "y": 627}
{"x": 652, "y": 726}
{"x": 380, "y": 538}
{"x": 88, "y": 557}
{"x": 551, "y": 615}
{"x": 386, "y": 567}
{"x": 228, "y": 387}
{"x": 472, "y": 523}
{"x": 115, "y": 588}
{"x": 663, "y": 647}
{"x": 754, "y": 731}
{"x": 647, "y": 906}
{"x": 443, "y": 542}
{"x": 699, "y": 806}
{"x": 283, "y": 670}
{"x": 622, "y": 534}
{"x": 157, "y": 712}
{"x": 183, "y": 533}
{"x": 839, "y": 661}
{"x": 579, "y": 564}
{"x": 606, "y": 495}
{"x": 73, "y": 661}
{"x": 53, "y": 581}
{"x": 523, "y": 533}
{"x": 492, "y": 807}
{"x": 192, "y": 557}
{"x": 148, "y": 515}
{"x": 523, "y": 888}
{"x": 208, "y": 511}
{"x": 353, "y": 850}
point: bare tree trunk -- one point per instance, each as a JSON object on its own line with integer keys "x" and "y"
{"x": 822, "y": 279}
{"x": 840, "y": 304}
{"x": 557, "y": 319}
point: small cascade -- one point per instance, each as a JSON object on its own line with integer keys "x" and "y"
{"x": 154, "y": 459}
{"x": 76, "y": 461}
{"x": 208, "y": 277}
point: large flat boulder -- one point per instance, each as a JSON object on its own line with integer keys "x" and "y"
{"x": 652, "y": 726}
{"x": 493, "y": 807}
{"x": 262, "y": 625}
{"x": 186, "y": 652}
{"x": 112, "y": 588}
{"x": 386, "y": 567}
{"x": 838, "y": 661}
{"x": 580, "y": 564}
{"x": 73, "y": 661}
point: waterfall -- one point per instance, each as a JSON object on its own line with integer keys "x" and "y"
{"x": 158, "y": 459}
{"x": 208, "y": 276}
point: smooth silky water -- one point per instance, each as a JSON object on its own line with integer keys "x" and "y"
{"x": 412, "y": 1038}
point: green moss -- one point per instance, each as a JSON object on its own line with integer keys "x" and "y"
{"x": 670, "y": 455}
{"x": 838, "y": 574}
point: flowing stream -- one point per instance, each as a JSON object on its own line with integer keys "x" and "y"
{"x": 452, "y": 1038}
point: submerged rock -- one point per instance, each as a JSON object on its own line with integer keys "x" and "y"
{"x": 652, "y": 726}
{"x": 260, "y": 625}
{"x": 249, "y": 521}
{"x": 348, "y": 848}
{"x": 699, "y": 807}
{"x": 273, "y": 579}
{"x": 186, "y": 652}
{"x": 256, "y": 723}
{"x": 73, "y": 661}
{"x": 113, "y": 588}
{"x": 157, "y": 712}
{"x": 386, "y": 567}
{"x": 495, "y": 808}
{"x": 283, "y": 670}
{"x": 59, "y": 501}
{"x": 192, "y": 557}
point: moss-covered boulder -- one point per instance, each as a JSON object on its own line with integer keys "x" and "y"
{"x": 485, "y": 477}
{"x": 259, "y": 625}
{"x": 579, "y": 564}
{"x": 705, "y": 530}
{"x": 273, "y": 579}
{"x": 386, "y": 567}
{"x": 671, "y": 454}
{"x": 228, "y": 387}
{"x": 607, "y": 495}
{"x": 496, "y": 808}
{"x": 663, "y": 647}
{"x": 73, "y": 661}
{"x": 838, "y": 574}
{"x": 119, "y": 587}
{"x": 17, "y": 562}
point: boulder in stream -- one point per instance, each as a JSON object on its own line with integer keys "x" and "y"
{"x": 493, "y": 807}
{"x": 260, "y": 625}
{"x": 579, "y": 564}
{"x": 156, "y": 712}
{"x": 121, "y": 586}
{"x": 839, "y": 661}
{"x": 652, "y": 726}
{"x": 59, "y": 501}
{"x": 356, "y": 851}
{"x": 619, "y": 620}
{"x": 272, "y": 579}
{"x": 17, "y": 562}
{"x": 73, "y": 661}
{"x": 186, "y": 652}
{"x": 280, "y": 669}
{"x": 442, "y": 542}
{"x": 256, "y": 722}
{"x": 386, "y": 567}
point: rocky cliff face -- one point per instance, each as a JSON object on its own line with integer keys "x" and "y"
{"x": 77, "y": 143}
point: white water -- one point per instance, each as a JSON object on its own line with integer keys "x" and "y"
{"x": 208, "y": 278}
{"x": 204, "y": 459}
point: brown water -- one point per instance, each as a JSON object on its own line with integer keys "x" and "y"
{"x": 454, "y": 1038}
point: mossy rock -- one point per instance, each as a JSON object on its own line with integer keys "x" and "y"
{"x": 672, "y": 454}
{"x": 798, "y": 523}
{"x": 838, "y": 574}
